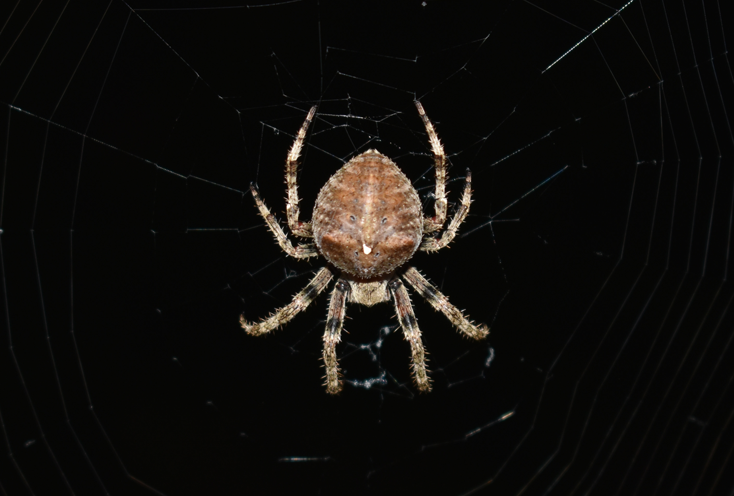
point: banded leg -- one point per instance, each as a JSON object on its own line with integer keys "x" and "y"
{"x": 302, "y": 229}
{"x": 436, "y": 243}
{"x": 441, "y": 303}
{"x": 432, "y": 224}
{"x": 412, "y": 334}
{"x": 284, "y": 314}
{"x": 332, "y": 335}
{"x": 302, "y": 250}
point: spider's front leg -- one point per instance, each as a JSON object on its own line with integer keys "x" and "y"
{"x": 441, "y": 303}
{"x": 332, "y": 335}
{"x": 302, "y": 229}
{"x": 303, "y": 250}
{"x": 284, "y": 314}
{"x": 412, "y": 334}
{"x": 433, "y": 224}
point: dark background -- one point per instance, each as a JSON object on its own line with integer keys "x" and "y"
{"x": 598, "y": 248}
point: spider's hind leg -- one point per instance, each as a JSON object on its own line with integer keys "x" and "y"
{"x": 433, "y": 224}
{"x": 302, "y": 250}
{"x": 435, "y": 243}
{"x": 302, "y": 229}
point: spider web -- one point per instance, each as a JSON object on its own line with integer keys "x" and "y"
{"x": 597, "y": 247}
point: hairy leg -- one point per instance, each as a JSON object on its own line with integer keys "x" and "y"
{"x": 441, "y": 303}
{"x": 432, "y": 224}
{"x": 303, "y": 250}
{"x": 302, "y": 229}
{"x": 436, "y": 243}
{"x": 412, "y": 333}
{"x": 332, "y": 335}
{"x": 284, "y": 314}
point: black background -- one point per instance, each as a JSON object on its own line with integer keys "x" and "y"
{"x": 131, "y": 245}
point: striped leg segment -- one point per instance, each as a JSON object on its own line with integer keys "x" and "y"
{"x": 332, "y": 335}
{"x": 412, "y": 333}
{"x": 284, "y": 314}
{"x": 441, "y": 303}
{"x": 302, "y": 229}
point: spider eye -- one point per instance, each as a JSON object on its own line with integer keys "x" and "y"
{"x": 384, "y": 219}
{"x": 352, "y": 218}
{"x": 377, "y": 254}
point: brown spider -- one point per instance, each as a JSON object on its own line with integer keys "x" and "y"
{"x": 367, "y": 223}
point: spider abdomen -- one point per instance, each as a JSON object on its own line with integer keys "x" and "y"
{"x": 368, "y": 220}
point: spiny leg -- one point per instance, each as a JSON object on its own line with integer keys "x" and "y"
{"x": 332, "y": 335}
{"x": 435, "y": 243}
{"x": 412, "y": 334}
{"x": 303, "y": 250}
{"x": 441, "y": 303}
{"x": 432, "y": 224}
{"x": 302, "y": 229}
{"x": 284, "y": 314}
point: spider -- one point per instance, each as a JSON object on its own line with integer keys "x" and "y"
{"x": 368, "y": 222}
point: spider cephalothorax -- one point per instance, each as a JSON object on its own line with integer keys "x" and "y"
{"x": 368, "y": 223}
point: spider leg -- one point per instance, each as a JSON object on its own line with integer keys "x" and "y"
{"x": 302, "y": 229}
{"x": 302, "y": 250}
{"x": 332, "y": 335}
{"x": 435, "y": 243}
{"x": 412, "y": 334}
{"x": 441, "y": 303}
{"x": 284, "y": 314}
{"x": 432, "y": 224}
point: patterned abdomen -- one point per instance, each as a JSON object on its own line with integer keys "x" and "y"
{"x": 367, "y": 220}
